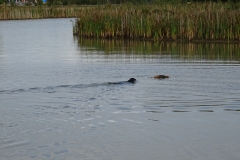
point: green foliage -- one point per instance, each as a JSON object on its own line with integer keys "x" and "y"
{"x": 39, "y": 2}
{"x": 29, "y": 4}
{"x": 54, "y": 2}
{"x": 57, "y": 2}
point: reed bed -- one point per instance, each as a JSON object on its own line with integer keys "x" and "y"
{"x": 38, "y": 12}
{"x": 181, "y": 22}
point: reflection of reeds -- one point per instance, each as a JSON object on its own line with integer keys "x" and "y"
{"x": 186, "y": 22}
{"x": 188, "y": 51}
{"x": 37, "y": 12}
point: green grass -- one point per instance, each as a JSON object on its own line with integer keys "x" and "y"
{"x": 38, "y": 12}
{"x": 159, "y": 22}
{"x": 181, "y": 22}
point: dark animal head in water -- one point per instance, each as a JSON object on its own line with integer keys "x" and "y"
{"x": 132, "y": 80}
{"x": 161, "y": 76}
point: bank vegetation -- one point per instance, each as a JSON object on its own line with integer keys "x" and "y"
{"x": 38, "y": 12}
{"x": 180, "y": 22}
{"x": 205, "y": 21}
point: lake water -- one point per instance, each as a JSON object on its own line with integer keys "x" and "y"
{"x": 55, "y": 102}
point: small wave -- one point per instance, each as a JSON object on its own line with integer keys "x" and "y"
{"x": 90, "y": 111}
{"x": 3, "y": 91}
{"x": 155, "y": 120}
{"x": 238, "y": 110}
{"x": 124, "y": 108}
{"x": 129, "y": 120}
{"x": 12, "y": 91}
{"x": 118, "y": 112}
{"x": 81, "y": 85}
{"x": 5, "y": 142}
{"x": 156, "y": 111}
{"x": 19, "y": 90}
{"x": 52, "y": 89}
{"x": 64, "y": 86}
{"x": 180, "y": 111}
{"x": 205, "y": 110}
{"x": 35, "y": 88}
{"x": 14, "y": 144}
{"x": 49, "y": 88}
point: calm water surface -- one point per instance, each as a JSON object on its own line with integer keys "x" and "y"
{"x": 55, "y": 102}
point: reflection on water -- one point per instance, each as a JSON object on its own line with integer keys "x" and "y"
{"x": 150, "y": 49}
{"x": 1, "y": 47}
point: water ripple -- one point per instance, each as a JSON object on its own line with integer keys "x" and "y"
{"x": 13, "y": 144}
{"x": 52, "y": 89}
{"x": 238, "y": 110}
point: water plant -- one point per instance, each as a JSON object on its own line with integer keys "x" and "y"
{"x": 179, "y": 22}
{"x": 38, "y": 12}
{"x": 166, "y": 21}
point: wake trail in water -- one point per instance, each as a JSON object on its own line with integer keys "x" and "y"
{"x": 52, "y": 89}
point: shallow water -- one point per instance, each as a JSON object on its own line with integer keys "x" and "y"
{"x": 55, "y": 102}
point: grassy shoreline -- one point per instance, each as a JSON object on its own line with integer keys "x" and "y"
{"x": 163, "y": 22}
{"x": 187, "y": 22}
{"x": 38, "y": 12}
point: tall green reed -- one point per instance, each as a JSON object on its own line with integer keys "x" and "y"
{"x": 181, "y": 22}
{"x": 38, "y": 12}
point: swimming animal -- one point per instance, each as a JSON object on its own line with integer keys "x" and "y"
{"x": 160, "y": 77}
{"x": 131, "y": 80}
